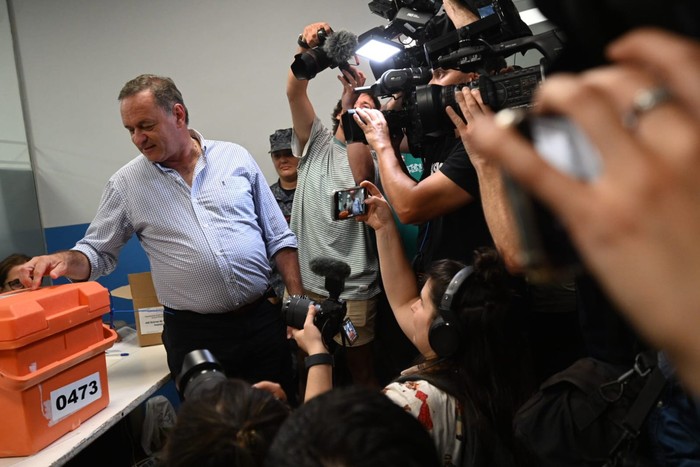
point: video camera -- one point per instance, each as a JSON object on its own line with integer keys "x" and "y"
{"x": 468, "y": 49}
{"x": 330, "y": 316}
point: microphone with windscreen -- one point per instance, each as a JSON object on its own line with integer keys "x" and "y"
{"x": 335, "y": 50}
{"x": 335, "y": 272}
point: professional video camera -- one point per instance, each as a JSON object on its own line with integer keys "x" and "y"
{"x": 200, "y": 371}
{"x": 335, "y": 50}
{"x": 468, "y": 49}
{"x": 330, "y": 316}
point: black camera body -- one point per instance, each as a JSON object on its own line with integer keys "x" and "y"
{"x": 330, "y": 314}
{"x": 334, "y": 50}
{"x": 329, "y": 318}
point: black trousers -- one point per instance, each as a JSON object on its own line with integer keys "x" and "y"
{"x": 250, "y": 345}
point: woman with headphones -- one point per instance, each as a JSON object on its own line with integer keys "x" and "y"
{"x": 473, "y": 372}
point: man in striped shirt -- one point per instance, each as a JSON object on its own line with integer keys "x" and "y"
{"x": 328, "y": 164}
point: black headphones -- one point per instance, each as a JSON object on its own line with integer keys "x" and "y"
{"x": 444, "y": 335}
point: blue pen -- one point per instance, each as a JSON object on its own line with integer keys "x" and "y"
{"x": 116, "y": 354}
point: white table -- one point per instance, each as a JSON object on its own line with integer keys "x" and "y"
{"x": 132, "y": 379}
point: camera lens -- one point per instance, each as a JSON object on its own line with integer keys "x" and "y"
{"x": 200, "y": 370}
{"x": 294, "y": 311}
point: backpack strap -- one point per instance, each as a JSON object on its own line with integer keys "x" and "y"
{"x": 643, "y": 404}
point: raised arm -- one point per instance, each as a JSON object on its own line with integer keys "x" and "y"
{"x": 397, "y": 276}
{"x": 497, "y": 210}
{"x": 414, "y": 202}
{"x": 303, "y": 113}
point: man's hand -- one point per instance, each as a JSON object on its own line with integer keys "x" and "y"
{"x": 375, "y": 128}
{"x": 474, "y": 111}
{"x": 72, "y": 264}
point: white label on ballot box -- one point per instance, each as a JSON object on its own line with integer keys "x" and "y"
{"x": 151, "y": 320}
{"x": 74, "y": 396}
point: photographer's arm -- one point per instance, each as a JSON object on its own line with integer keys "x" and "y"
{"x": 302, "y": 110}
{"x": 408, "y": 198}
{"x": 397, "y": 276}
{"x": 497, "y": 209}
{"x": 636, "y": 225}
{"x": 459, "y": 14}
{"x": 319, "y": 378}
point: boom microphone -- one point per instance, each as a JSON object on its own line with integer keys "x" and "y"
{"x": 335, "y": 272}
{"x": 340, "y": 47}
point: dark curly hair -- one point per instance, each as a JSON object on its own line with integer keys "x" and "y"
{"x": 491, "y": 371}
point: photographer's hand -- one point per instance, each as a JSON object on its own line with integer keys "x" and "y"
{"x": 309, "y": 339}
{"x": 376, "y": 130}
{"x": 474, "y": 111}
{"x": 350, "y": 80}
{"x": 378, "y": 214}
{"x": 319, "y": 378}
{"x": 637, "y": 224}
{"x": 273, "y": 388}
{"x": 310, "y": 33}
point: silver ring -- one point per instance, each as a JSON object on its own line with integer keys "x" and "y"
{"x": 644, "y": 101}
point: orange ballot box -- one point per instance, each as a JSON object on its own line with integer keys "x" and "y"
{"x": 53, "y": 373}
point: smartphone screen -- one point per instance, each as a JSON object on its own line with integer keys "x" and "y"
{"x": 349, "y": 203}
{"x": 350, "y": 331}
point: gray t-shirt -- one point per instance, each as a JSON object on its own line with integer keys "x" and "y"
{"x": 323, "y": 169}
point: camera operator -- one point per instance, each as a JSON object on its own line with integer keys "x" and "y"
{"x": 637, "y": 225}
{"x": 327, "y": 164}
{"x": 473, "y": 371}
{"x": 445, "y": 202}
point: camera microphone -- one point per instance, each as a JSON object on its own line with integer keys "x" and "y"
{"x": 340, "y": 47}
{"x": 335, "y": 272}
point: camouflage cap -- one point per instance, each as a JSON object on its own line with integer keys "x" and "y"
{"x": 281, "y": 140}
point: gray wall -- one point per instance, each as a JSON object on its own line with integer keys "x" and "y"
{"x": 230, "y": 60}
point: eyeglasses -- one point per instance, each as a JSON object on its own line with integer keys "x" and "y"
{"x": 14, "y": 285}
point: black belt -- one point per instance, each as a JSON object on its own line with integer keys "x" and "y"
{"x": 238, "y": 313}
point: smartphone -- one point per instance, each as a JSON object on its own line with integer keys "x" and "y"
{"x": 350, "y": 331}
{"x": 546, "y": 247}
{"x": 348, "y": 203}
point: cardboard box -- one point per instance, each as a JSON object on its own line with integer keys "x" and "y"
{"x": 53, "y": 373}
{"x": 148, "y": 311}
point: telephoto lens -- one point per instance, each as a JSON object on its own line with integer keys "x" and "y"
{"x": 200, "y": 371}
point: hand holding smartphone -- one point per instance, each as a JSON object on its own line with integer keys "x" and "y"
{"x": 349, "y": 203}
